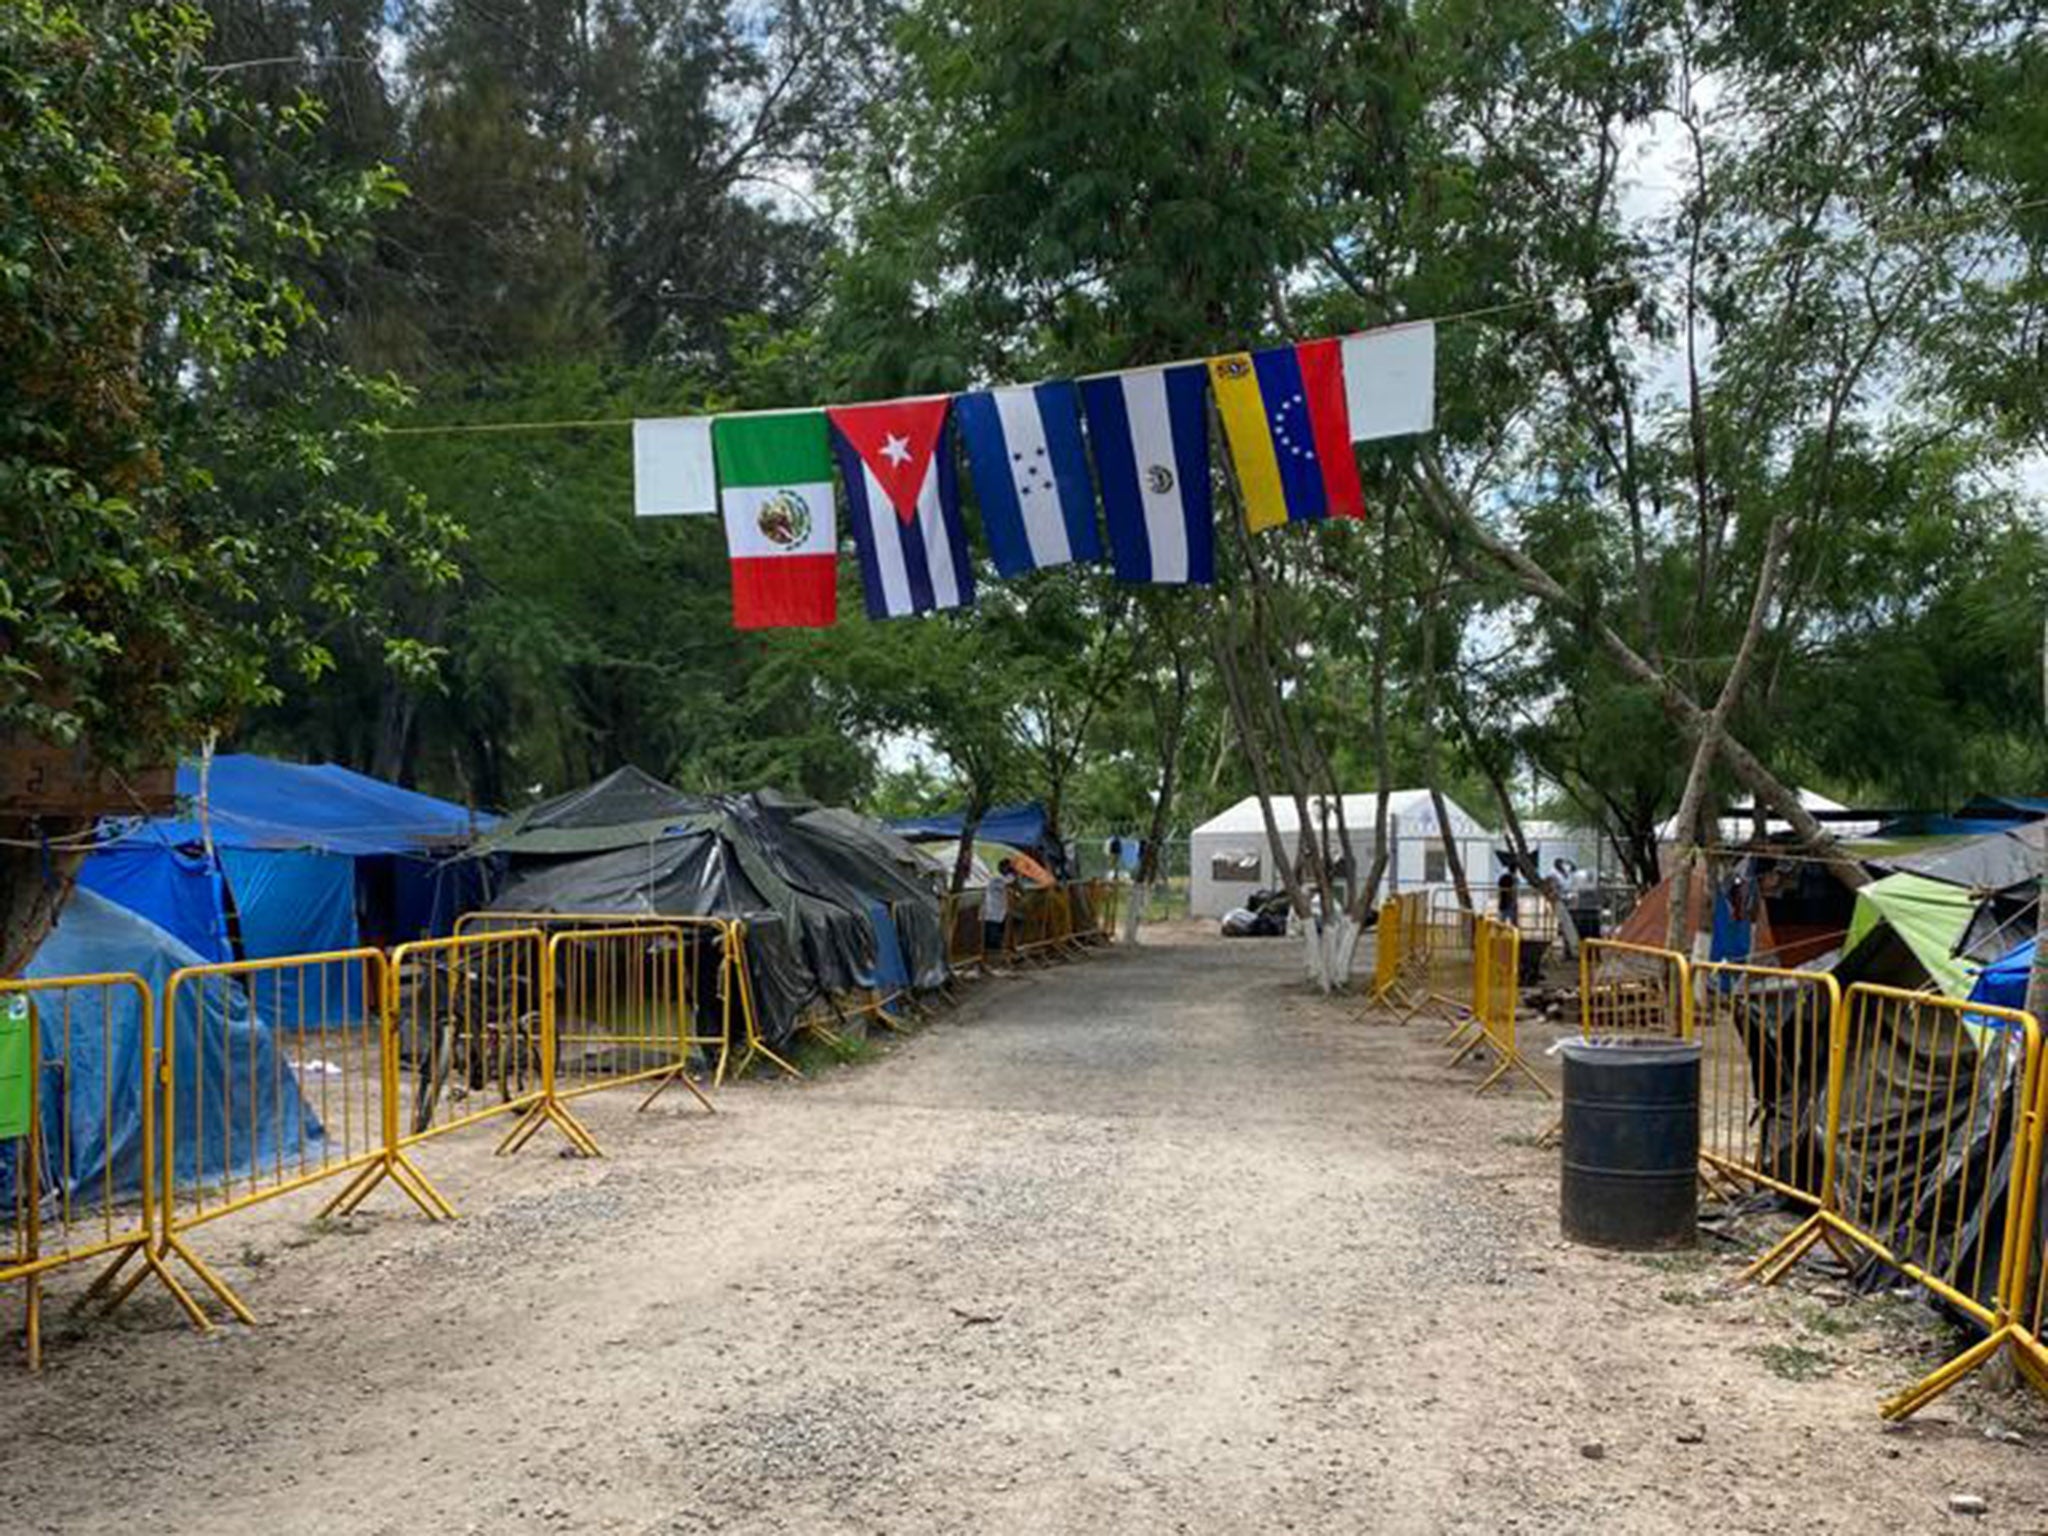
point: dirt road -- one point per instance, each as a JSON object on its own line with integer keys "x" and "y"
{"x": 1156, "y": 1242}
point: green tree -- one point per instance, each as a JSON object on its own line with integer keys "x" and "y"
{"x": 187, "y": 521}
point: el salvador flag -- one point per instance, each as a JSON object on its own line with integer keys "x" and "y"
{"x": 1030, "y": 475}
{"x": 1150, "y": 432}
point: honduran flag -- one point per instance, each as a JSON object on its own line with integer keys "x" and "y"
{"x": 1289, "y": 429}
{"x": 1030, "y": 473}
{"x": 1150, "y": 432}
{"x": 775, "y": 473}
{"x": 903, "y": 494}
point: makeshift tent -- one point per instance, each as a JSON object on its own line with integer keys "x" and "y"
{"x": 305, "y": 858}
{"x": 182, "y": 892}
{"x": 2003, "y": 983}
{"x": 1908, "y": 921}
{"x": 92, "y": 1113}
{"x": 1018, "y": 826}
{"x": 803, "y": 877}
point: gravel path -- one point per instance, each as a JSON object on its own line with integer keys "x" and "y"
{"x": 1158, "y": 1242}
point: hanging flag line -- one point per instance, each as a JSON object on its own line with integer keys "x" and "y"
{"x": 1290, "y": 415}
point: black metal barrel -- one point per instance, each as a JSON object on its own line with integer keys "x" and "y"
{"x": 1631, "y": 1143}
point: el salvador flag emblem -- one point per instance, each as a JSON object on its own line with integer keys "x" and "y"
{"x": 1030, "y": 475}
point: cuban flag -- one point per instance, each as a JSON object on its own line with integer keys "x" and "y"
{"x": 1030, "y": 475}
{"x": 1288, "y": 425}
{"x": 1150, "y": 432}
{"x": 903, "y": 494}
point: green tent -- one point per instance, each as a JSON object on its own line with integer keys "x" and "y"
{"x": 1929, "y": 917}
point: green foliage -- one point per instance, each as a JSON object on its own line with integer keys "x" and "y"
{"x": 187, "y": 521}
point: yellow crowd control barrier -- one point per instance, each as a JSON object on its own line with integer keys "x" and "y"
{"x": 82, "y": 1182}
{"x": 1630, "y": 990}
{"x": 1028, "y": 929}
{"x": 1535, "y": 914}
{"x": 1450, "y": 937}
{"x": 1401, "y": 952}
{"x": 466, "y": 1043}
{"x": 966, "y": 943}
{"x": 1633, "y": 989}
{"x": 1929, "y": 1098}
{"x": 1105, "y": 906}
{"x": 2027, "y": 1327}
{"x": 274, "y": 1081}
{"x": 1767, "y": 1041}
{"x": 719, "y": 944}
{"x": 1497, "y": 997}
{"x": 618, "y": 1010}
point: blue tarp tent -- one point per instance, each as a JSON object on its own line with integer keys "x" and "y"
{"x": 310, "y": 858}
{"x": 1020, "y": 826}
{"x": 180, "y": 892}
{"x": 2003, "y": 983}
{"x": 92, "y": 1117}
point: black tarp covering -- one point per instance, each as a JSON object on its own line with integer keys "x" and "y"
{"x": 801, "y": 876}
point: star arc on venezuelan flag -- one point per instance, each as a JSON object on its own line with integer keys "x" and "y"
{"x": 1289, "y": 430}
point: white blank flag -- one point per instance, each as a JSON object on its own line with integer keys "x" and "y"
{"x": 672, "y": 467}
{"x": 1390, "y": 381}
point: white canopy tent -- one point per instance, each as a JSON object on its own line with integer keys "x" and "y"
{"x": 1229, "y": 856}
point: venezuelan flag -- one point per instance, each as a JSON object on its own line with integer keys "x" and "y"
{"x": 1289, "y": 431}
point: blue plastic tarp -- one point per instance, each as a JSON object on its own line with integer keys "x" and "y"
{"x": 1020, "y": 826}
{"x": 178, "y": 891}
{"x": 2003, "y": 983}
{"x": 92, "y": 1112}
{"x": 256, "y": 802}
{"x": 298, "y": 904}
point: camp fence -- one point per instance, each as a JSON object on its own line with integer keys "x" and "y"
{"x": 1495, "y": 992}
{"x": 1908, "y": 1128}
{"x": 1931, "y": 1166}
{"x": 339, "y": 1069}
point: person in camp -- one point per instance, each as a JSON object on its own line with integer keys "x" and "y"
{"x": 995, "y": 906}
{"x": 1506, "y": 904}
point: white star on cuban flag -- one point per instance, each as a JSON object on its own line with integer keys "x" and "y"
{"x": 904, "y": 496}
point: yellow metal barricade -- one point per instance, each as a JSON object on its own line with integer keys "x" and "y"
{"x": 966, "y": 945}
{"x": 1106, "y": 902}
{"x": 2028, "y": 1325}
{"x": 1767, "y": 1037}
{"x": 1497, "y": 996}
{"x": 738, "y": 982}
{"x": 1535, "y": 916}
{"x": 1633, "y": 989}
{"x": 1930, "y": 1102}
{"x": 616, "y": 1011}
{"x": 273, "y": 1079}
{"x": 78, "y": 1138}
{"x": 466, "y": 1042}
{"x": 1401, "y": 952}
{"x": 1027, "y": 929}
{"x": 1450, "y": 934}
{"x": 732, "y": 980}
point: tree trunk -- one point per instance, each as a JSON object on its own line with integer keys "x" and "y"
{"x": 1460, "y": 524}
{"x": 35, "y": 882}
{"x": 1455, "y": 864}
{"x": 1172, "y": 722}
{"x": 1691, "y": 808}
{"x": 1383, "y": 757}
{"x": 970, "y": 823}
{"x": 1255, "y": 759}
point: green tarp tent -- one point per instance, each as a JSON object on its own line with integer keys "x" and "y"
{"x": 1929, "y": 917}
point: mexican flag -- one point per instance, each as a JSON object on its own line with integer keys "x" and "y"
{"x": 775, "y": 472}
